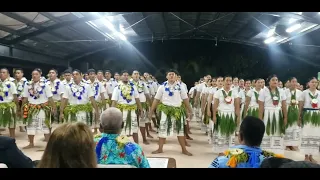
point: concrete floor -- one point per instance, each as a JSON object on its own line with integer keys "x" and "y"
{"x": 201, "y": 150}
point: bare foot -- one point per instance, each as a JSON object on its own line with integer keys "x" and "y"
{"x": 146, "y": 142}
{"x": 188, "y": 145}
{"x": 149, "y": 136}
{"x": 29, "y": 146}
{"x": 312, "y": 160}
{"x": 152, "y": 130}
{"x": 186, "y": 153}
{"x": 189, "y": 132}
{"x": 307, "y": 159}
{"x": 157, "y": 151}
{"x": 294, "y": 148}
{"x": 189, "y": 138}
{"x": 22, "y": 129}
{"x": 288, "y": 148}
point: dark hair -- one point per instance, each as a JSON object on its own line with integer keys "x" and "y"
{"x": 270, "y": 77}
{"x": 291, "y": 78}
{"x": 38, "y": 70}
{"x": 209, "y": 80}
{"x": 274, "y": 162}
{"x": 232, "y": 77}
{"x": 116, "y": 73}
{"x": 220, "y": 77}
{"x": 134, "y": 71}
{"x": 124, "y": 71}
{"x": 67, "y": 71}
{"x": 91, "y": 71}
{"x": 77, "y": 70}
{"x": 18, "y": 69}
{"x": 107, "y": 71}
{"x": 5, "y": 69}
{"x": 52, "y": 69}
{"x": 247, "y": 80}
{"x": 171, "y": 70}
{"x": 99, "y": 71}
{"x": 300, "y": 164}
{"x": 252, "y": 130}
{"x": 228, "y": 76}
{"x": 310, "y": 79}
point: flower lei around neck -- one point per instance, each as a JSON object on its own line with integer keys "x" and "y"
{"x": 139, "y": 85}
{"x": 314, "y": 100}
{"x": 293, "y": 101}
{"x": 77, "y": 90}
{"x": 55, "y": 88}
{"x": 227, "y": 98}
{"x": 95, "y": 87}
{"x": 171, "y": 89}
{"x": 35, "y": 93}
{"x": 4, "y": 89}
{"x": 20, "y": 85}
{"x": 275, "y": 97}
{"x": 126, "y": 91}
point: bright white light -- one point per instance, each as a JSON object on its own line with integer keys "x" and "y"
{"x": 269, "y": 40}
{"x": 281, "y": 40}
{"x": 121, "y": 36}
{"x": 110, "y": 18}
{"x": 293, "y": 28}
{"x": 307, "y": 28}
{"x": 299, "y": 13}
{"x": 318, "y": 12}
{"x": 271, "y": 32}
{"x": 291, "y": 20}
{"x": 121, "y": 27}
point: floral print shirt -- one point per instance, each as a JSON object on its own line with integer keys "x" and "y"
{"x": 116, "y": 149}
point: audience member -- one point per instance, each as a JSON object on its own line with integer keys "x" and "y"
{"x": 111, "y": 148}
{"x": 70, "y": 146}
{"x": 248, "y": 154}
{"x": 274, "y": 162}
{"x": 11, "y": 155}
{"x": 300, "y": 164}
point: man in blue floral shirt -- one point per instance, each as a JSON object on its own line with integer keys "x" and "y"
{"x": 112, "y": 148}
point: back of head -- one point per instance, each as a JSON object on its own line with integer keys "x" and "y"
{"x": 300, "y": 164}
{"x": 251, "y": 131}
{"x": 111, "y": 121}
{"x": 70, "y": 146}
{"x": 274, "y": 162}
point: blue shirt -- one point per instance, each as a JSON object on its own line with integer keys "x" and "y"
{"x": 251, "y": 157}
{"x": 116, "y": 149}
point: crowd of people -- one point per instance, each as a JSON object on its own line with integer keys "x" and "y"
{"x": 70, "y": 111}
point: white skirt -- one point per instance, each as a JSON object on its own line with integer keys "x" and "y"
{"x": 310, "y": 139}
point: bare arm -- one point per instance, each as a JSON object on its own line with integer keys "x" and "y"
{"x": 94, "y": 104}
{"x": 16, "y": 101}
{"x": 114, "y": 104}
{"x": 139, "y": 104}
{"x": 215, "y": 109}
{"x": 52, "y": 104}
{"x": 203, "y": 99}
{"x": 246, "y": 105}
{"x": 187, "y": 104}
{"x": 209, "y": 102}
{"x": 24, "y": 101}
{"x": 154, "y": 105}
{"x": 284, "y": 109}
{"x": 196, "y": 101}
{"x": 261, "y": 109}
{"x": 148, "y": 99}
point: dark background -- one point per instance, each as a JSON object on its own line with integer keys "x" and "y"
{"x": 193, "y": 59}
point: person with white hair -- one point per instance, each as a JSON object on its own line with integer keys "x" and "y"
{"x": 113, "y": 148}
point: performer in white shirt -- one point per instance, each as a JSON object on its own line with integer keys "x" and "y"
{"x": 79, "y": 102}
{"x": 20, "y": 82}
{"x": 273, "y": 111}
{"x": 153, "y": 91}
{"x": 226, "y": 116}
{"x": 38, "y": 107}
{"x": 197, "y": 101}
{"x": 171, "y": 96}
{"x": 126, "y": 98}
{"x": 204, "y": 106}
{"x": 235, "y": 84}
{"x": 104, "y": 83}
{"x": 98, "y": 93}
{"x": 292, "y": 136}
{"x": 309, "y": 104}
{"x": 144, "y": 97}
{"x": 251, "y": 107}
{"x": 192, "y": 93}
{"x": 9, "y": 104}
{"x": 117, "y": 77}
{"x": 110, "y": 84}
{"x": 67, "y": 76}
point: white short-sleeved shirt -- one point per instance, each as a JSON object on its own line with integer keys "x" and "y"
{"x": 106, "y": 93}
{"x": 179, "y": 94}
{"x": 307, "y": 99}
{"x": 223, "y": 106}
{"x": 183, "y": 85}
{"x": 38, "y": 87}
{"x": 265, "y": 96}
{"x": 67, "y": 83}
{"x": 289, "y": 94}
{"x": 116, "y": 95}
{"x": 213, "y": 90}
{"x": 191, "y": 92}
{"x": 142, "y": 90}
{"x": 153, "y": 86}
{"x": 110, "y": 85}
{"x": 57, "y": 88}
{"x": 72, "y": 90}
{"x": 97, "y": 89}
{"x": 200, "y": 86}
{"x": 242, "y": 95}
{"x": 20, "y": 86}
{"x": 253, "y": 100}
{"x": 9, "y": 88}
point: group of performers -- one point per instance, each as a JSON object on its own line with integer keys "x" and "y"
{"x": 291, "y": 114}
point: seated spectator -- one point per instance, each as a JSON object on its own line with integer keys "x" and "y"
{"x": 11, "y": 155}
{"x": 248, "y": 154}
{"x": 274, "y": 162}
{"x": 70, "y": 146}
{"x": 300, "y": 164}
{"x": 111, "y": 148}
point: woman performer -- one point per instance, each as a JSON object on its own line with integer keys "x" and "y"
{"x": 204, "y": 106}
{"x": 227, "y": 105}
{"x": 251, "y": 107}
{"x": 309, "y": 109}
{"x": 273, "y": 111}
{"x": 292, "y": 136}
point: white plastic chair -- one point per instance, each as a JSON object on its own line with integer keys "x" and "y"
{"x": 3, "y": 165}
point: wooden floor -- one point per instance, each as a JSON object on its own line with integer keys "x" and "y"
{"x": 201, "y": 150}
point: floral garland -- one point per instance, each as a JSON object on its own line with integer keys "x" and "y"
{"x": 95, "y": 86}
{"x": 227, "y": 98}
{"x": 256, "y": 94}
{"x": 35, "y": 93}
{"x": 314, "y": 100}
{"x": 139, "y": 85}
{"x": 77, "y": 90}
{"x": 171, "y": 90}
{"x": 126, "y": 91}
{"x": 20, "y": 85}
{"x": 55, "y": 88}
{"x": 293, "y": 101}
{"x": 4, "y": 90}
{"x": 275, "y": 97}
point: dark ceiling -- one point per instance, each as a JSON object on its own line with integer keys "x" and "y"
{"x": 61, "y": 37}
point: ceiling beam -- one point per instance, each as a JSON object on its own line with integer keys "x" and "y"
{"x": 292, "y": 15}
{"x": 148, "y": 25}
{"x": 165, "y": 25}
{"x": 196, "y": 24}
{"x": 246, "y": 26}
{"x": 227, "y": 26}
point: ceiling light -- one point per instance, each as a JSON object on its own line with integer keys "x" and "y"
{"x": 121, "y": 27}
{"x": 307, "y": 28}
{"x": 281, "y": 40}
{"x": 269, "y": 40}
{"x": 271, "y": 32}
{"x": 300, "y": 13}
{"x": 293, "y": 28}
{"x": 318, "y": 12}
{"x": 291, "y": 20}
{"x": 121, "y": 36}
